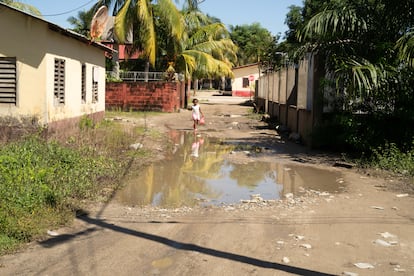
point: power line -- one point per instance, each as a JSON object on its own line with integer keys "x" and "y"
{"x": 62, "y": 13}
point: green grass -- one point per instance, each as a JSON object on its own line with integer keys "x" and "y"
{"x": 43, "y": 183}
{"x": 391, "y": 158}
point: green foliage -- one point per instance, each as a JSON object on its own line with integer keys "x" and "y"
{"x": 112, "y": 79}
{"x": 23, "y": 6}
{"x": 391, "y": 158}
{"x": 360, "y": 133}
{"x": 86, "y": 122}
{"x": 7, "y": 244}
{"x": 42, "y": 183}
{"x": 82, "y": 23}
{"x": 256, "y": 44}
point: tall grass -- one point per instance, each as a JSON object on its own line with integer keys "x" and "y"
{"x": 391, "y": 158}
{"x": 40, "y": 184}
{"x": 43, "y": 182}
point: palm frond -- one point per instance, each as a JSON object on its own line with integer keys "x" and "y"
{"x": 207, "y": 65}
{"x": 170, "y": 13}
{"x": 188, "y": 62}
{"x": 405, "y": 47}
{"x": 333, "y": 23}
{"x": 121, "y": 23}
{"x": 145, "y": 15}
{"x": 366, "y": 77}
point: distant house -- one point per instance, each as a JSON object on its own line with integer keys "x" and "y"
{"x": 47, "y": 72}
{"x": 124, "y": 50}
{"x": 244, "y": 79}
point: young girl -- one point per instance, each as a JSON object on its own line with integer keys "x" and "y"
{"x": 197, "y": 114}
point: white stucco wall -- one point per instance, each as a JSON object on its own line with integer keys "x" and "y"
{"x": 244, "y": 72}
{"x": 35, "y": 47}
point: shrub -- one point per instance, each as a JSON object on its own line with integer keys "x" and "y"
{"x": 391, "y": 158}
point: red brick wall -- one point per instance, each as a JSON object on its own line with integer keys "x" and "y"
{"x": 148, "y": 96}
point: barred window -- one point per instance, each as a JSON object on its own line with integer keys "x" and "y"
{"x": 83, "y": 85}
{"x": 95, "y": 78}
{"x": 8, "y": 80}
{"x": 245, "y": 82}
{"x": 59, "y": 81}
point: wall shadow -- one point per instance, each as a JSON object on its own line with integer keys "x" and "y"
{"x": 192, "y": 247}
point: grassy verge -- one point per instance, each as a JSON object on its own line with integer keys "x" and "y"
{"x": 391, "y": 158}
{"x": 43, "y": 183}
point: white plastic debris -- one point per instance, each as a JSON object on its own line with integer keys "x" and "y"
{"x": 347, "y": 273}
{"x": 382, "y": 242}
{"x": 299, "y": 237}
{"x": 52, "y": 233}
{"x": 402, "y": 195}
{"x": 387, "y": 235}
{"x": 286, "y": 260}
{"x": 306, "y": 245}
{"x": 364, "y": 265}
{"x": 289, "y": 195}
{"x": 136, "y": 146}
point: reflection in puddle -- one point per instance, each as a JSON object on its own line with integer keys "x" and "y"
{"x": 196, "y": 172}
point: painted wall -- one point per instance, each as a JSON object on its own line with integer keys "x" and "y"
{"x": 244, "y": 72}
{"x": 287, "y": 95}
{"x": 35, "y": 47}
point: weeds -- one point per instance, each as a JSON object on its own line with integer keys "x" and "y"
{"x": 391, "y": 158}
{"x": 43, "y": 183}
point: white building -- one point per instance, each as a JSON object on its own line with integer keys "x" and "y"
{"x": 245, "y": 76}
{"x": 47, "y": 72}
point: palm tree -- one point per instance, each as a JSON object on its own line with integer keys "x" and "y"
{"x": 357, "y": 41}
{"x": 208, "y": 53}
{"x": 365, "y": 52}
{"x": 82, "y": 23}
{"x": 405, "y": 47}
{"x": 206, "y": 50}
{"x": 22, "y": 6}
{"x": 139, "y": 14}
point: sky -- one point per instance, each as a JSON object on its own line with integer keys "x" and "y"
{"x": 270, "y": 14}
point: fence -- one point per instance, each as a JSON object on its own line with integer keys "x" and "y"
{"x": 139, "y": 76}
{"x": 291, "y": 96}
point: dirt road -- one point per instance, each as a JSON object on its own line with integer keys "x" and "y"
{"x": 366, "y": 229}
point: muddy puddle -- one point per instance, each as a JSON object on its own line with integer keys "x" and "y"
{"x": 196, "y": 172}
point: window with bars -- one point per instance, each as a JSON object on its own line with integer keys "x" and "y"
{"x": 83, "y": 85}
{"x": 8, "y": 80}
{"x": 59, "y": 81}
{"x": 95, "y": 78}
{"x": 245, "y": 82}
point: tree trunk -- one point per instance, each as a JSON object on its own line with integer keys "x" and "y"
{"x": 115, "y": 62}
{"x": 146, "y": 70}
{"x": 195, "y": 86}
{"x": 188, "y": 89}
